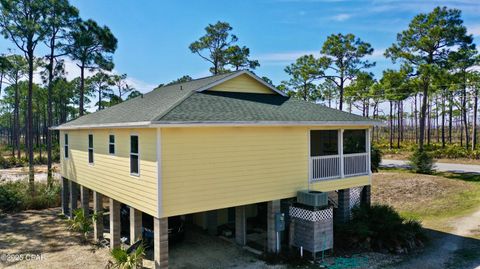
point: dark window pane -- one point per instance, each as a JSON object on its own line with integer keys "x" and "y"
{"x": 134, "y": 164}
{"x": 112, "y": 139}
{"x": 323, "y": 142}
{"x": 354, "y": 141}
{"x": 66, "y": 151}
{"x": 90, "y": 155}
{"x": 66, "y": 139}
{"x": 111, "y": 149}
{"x": 90, "y": 141}
{"x": 134, "y": 144}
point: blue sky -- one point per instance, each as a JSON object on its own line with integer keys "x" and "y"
{"x": 154, "y": 35}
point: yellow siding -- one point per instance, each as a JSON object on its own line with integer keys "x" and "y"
{"x": 110, "y": 174}
{"x": 242, "y": 83}
{"x": 219, "y": 167}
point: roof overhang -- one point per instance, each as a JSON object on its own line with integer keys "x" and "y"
{"x": 141, "y": 124}
{"x": 236, "y": 74}
{"x": 176, "y": 124}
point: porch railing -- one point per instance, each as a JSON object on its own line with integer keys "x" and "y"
{"x": 330, "y": 166}
{"x": 355, "y": 164}
{"x": 324, "y": 167}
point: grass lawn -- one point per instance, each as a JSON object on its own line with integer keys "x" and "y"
{"x": 437, "y": 200}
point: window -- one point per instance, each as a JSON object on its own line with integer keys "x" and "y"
{"x": 65, "y": 146}
{"x": 134, "y": 155}
{"x": 354, "y": 141}
{"x": 90, "y": 148}
{"x": 324, "y": 142}
{"x": 111, "y": 144}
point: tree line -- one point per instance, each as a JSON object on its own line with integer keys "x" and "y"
{"x": 432, "y": 91}
{"x": 437, "y": 74}
{"x": 44, "y": 34}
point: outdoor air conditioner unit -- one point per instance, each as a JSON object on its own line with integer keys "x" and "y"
{"x": 312, "y": 198}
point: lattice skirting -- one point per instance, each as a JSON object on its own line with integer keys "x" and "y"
{"x": 314, "y": 216}
{"x": 355, "y": 196}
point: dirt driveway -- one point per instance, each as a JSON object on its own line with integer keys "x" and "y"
{"x": 44, "y": 233}
{"x": 449, "y": 210}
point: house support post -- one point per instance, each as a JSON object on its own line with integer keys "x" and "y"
{"x": 365, "y": 196}
{"x": 65, "y": 194}
{"x": 114, "y": 224}
{"x": 85, "y": 198}
{"x": 160, "y": 246}
{"x": 73, "y": 198}
{"x": 240, "y": 226}
{"x": 135, "y": 225}
{"x": 98, "y": 211}
{"x": 344, "y": 210}
{"x": 212, "y": 222}
{"x": 340, "y": 153}
{"x": 273, "y": 238}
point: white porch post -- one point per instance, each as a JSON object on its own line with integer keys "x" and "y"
{"x": 368, "y": 147}
{"x": 340, "y": 152}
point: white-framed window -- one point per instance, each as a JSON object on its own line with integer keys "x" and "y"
{"x": 65, "y": 146}
{"x": 134, "y": 155}
{"x": 111, "y": 144}
{"x": 90, "y": 148}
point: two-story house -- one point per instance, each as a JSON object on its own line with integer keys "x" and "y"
{"x": 201, "y": 147}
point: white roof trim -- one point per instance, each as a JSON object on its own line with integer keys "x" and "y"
{"x": 172, "y": 124}
{"x": 234, "y": 75}
{"x": 140, "y": 124}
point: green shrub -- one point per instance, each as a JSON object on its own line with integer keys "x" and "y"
{"x": 81, "y": 223}
{"x": 15, "y": 196}
{"x": 124, "y": 260}
{"x": 421, "y": 162}
{"x": 40, "y": 160}
{"x": 375, "y": 157}
{"x": 11, "y": 198}
{"x": 379, "y": 227}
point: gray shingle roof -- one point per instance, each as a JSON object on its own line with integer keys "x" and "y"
{"x": 181, "y": 103}
{"x": 232, "y": 106}
{"x": 148, "y": 107}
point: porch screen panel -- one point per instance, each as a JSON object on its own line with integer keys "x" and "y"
{"x": 323, "y": 142}
{"x": 354, "y": 141}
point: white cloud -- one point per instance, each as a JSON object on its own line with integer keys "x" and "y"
{"x": 73, "y": 71}
{"x": 377, "y": 54}
{"x": 474, "y": 30}
{"x": 341, "y": 17}
{"x": 283, "y": 57}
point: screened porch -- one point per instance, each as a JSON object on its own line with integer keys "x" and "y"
{"x": 339, "y": 154}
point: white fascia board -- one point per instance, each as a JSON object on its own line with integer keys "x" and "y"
{"x": 140, "y": 124}
{"x": 171, "y": 124}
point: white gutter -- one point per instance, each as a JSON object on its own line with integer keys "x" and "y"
{"x": 174, "y": 124}
{"x": 139, "y": 124}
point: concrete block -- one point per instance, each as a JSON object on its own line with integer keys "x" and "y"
{"x": 160, "y": 248}
{"x": 98, "y": 210}
{"x": 115, "y": 224}
{"x": 135, "y": 225}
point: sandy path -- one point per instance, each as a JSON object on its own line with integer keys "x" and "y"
{"x": 45, "y": 233}
{"x": 444, "y": 247}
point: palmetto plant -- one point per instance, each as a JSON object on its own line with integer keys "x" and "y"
{"x": 121, "y": 259}
{"x": 81, "y": 223}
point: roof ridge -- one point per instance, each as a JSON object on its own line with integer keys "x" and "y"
{"x": 196, "y": 79}
{"x": 186, "y": 96}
